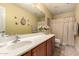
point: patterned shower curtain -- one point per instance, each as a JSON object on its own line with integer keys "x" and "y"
{"x": 63, "y": 29}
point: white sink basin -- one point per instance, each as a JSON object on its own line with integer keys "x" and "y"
{"x": 8, "y": 43}
{"x": 4, "y": 40}
{"x": 19, "y": 44}
{"x": 2, "y": 44}
{"x": 7, "y": 39}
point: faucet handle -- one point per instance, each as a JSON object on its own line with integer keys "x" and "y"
{"x": 17, "y": 37}
{"x": 2, "y": 33}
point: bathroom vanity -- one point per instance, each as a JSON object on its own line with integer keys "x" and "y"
{"x": 31, "y": 45}
{"x": 44, "y": 49}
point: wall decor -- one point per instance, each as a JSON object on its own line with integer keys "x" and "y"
{"x": 23, "y": 21}
{"x": 15, "y": 17}
{"x": 16, "y": 23}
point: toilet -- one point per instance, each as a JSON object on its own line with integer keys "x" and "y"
{"x": 57, "y": 42}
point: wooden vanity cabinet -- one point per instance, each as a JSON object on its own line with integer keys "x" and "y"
{"x": 53, "y": 44}
{"x": 40, "y": 50}
{"x": 50, "y": 46}
{"x": 44, "y": 49}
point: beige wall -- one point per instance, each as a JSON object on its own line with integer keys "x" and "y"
{"x": 77, "y": 12}
{"x": 62, "y": 15}
{"x": 12, "y": 11}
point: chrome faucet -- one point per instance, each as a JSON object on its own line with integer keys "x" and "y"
{"x": 16, "y": 39}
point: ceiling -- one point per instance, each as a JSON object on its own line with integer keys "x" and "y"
{"x": 54, "y": 8}
{"x": 31, "y": 8}
{"x": 57, "y": 8}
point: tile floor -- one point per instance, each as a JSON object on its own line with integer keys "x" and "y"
{"x": 66, "y": 51}
{"x": 69, "y": 51}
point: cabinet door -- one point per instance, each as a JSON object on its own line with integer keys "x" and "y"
{"x": 27, "y": 54}
{"x": 50, "y": 46}
{"x": 53, "y": 44}
{"x": 40, "y": 50}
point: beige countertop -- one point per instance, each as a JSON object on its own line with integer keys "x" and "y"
{"x": 21, "y": 49}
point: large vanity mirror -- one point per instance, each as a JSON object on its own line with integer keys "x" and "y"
{"x": 17, "y": 19}
{"x": 33, "y": 8}
{"x": 2, "y": 19}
